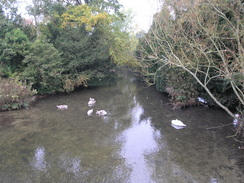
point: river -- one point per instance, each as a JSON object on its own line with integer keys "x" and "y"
{"x": 133, "y": 143}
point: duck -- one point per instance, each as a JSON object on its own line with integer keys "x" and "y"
{"x": 101, "y": 113}
{"x": 89, "y": 112}
{"x": 91, "y": 102}
{"x": 178, "y": 123}
{"x": 62, "y": 106}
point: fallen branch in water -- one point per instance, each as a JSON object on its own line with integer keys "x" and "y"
{"x": 239, "y": 141}
{"x": 211, "y": 128}
{"x": 235, "y": 137}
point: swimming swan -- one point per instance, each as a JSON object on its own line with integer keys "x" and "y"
{"x": 91, "y": 102}
{"x": 62, "y": 106}
{"x": 101, "y": 113}
{"x": 178, "y": 123}
{"x": 89, "y": 112}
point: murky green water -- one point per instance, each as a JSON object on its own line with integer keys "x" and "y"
{"x": 134, "y": 143}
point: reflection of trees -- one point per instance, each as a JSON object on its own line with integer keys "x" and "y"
{"x": 72, "y": 147}
{"x": 189, "y": 155}
{"x": 120, "y": 102}
{"x": 68, "y": 146}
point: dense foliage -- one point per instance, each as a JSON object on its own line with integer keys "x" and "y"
{"x": 15, "y": 94}
{"x": 64, "y": 44}
{"x": 43, "y": 67}
{"x": 195, "y": 48}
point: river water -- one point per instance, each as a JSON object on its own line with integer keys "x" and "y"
{"x": 134, "y": 143}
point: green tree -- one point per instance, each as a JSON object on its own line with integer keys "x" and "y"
{"x": 84, "y": 15}
{"x": 111, "y": 26}
{"x": 85, "y": 56}
{"x": 123, "y": 40}
{"x": 87, "y": 41}
{"x": 43, "y": 67}
{"x": 13, "y": 50}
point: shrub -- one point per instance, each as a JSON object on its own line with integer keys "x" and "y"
{"x": 180, "y": 86}
{"x": 14, "y": 94}
{"x": 12, "y": 52}
{"x": 43, "y": 67}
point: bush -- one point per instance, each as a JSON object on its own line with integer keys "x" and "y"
{"x": 43, "y": 67}
{"x": 181, "y": 86}
{"x": 12, "y": 52}
{"x": 14, "y": 94}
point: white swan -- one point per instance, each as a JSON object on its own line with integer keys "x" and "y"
{"x": 202, "y": 100}
{"x": 91, "y": 102}
{"x": 89, "y": 112}
{"x": 236, "y": 120}
{"x": 62, "y": 106}
{"x": 178, "y": 123}
{"x": 101, "y": 113}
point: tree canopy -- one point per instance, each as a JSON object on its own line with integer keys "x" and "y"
{"x": 83, "y": 37}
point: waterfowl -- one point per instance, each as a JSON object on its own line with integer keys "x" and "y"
{"x": 101, "y": 113}
{"x": 178, "y": 123}
{"x": 177, "y": 127}
{"x": 236, "y": 120}
{"x": 202, "y": 100}
{"x": 91, "y": 102}
{"x": 89, "y": 112}
{"x": 62, "y": 106}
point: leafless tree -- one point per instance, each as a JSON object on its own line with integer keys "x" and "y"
{"x": 202, "y": 37}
